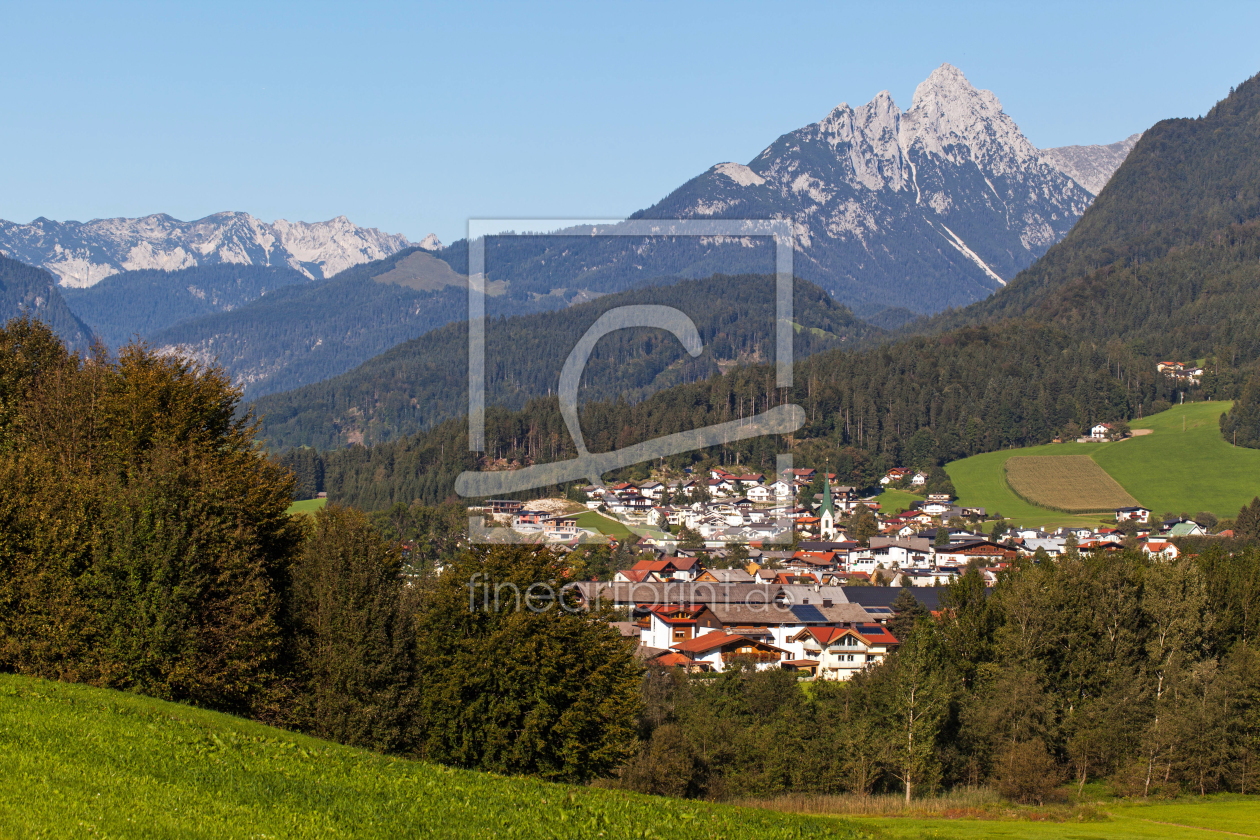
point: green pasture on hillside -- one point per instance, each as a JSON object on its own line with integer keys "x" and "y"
{"x": 603, "y": 524}
{"x": 892, "y": 500}
{"x": 307, "y": 506}
{"x": 81, "y": 761}
{"x": 1170, "y": 469}
{"x": 1187, "y": 470}
{"x": 85, "y": 762}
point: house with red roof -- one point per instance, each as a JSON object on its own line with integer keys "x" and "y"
{"x": 1159, "y": 548}
{"x": 837, "y": 653}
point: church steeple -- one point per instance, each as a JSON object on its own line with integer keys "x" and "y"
{"x": 827, "y": 516}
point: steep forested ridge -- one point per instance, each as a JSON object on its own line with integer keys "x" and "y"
{"x": 140, "y": 303}
{"x": 424, "y": 381}
{"x": 26, "y": 290}
{"x": 1167, "y": 253}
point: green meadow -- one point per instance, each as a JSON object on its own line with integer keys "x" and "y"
{"x": 893, "y": 500}
{"x": 1213, "y": 817}
{"x": 81, "y": 761}
{"x": 606, "y": 526}
{"x": 307, "y": 506}
{"x": 86, "y": 762}
{"x": 1180, "y": 465}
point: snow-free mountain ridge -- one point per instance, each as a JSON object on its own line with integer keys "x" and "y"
{"x": 82, "y": 254}
{"x": 1091, "y": 166}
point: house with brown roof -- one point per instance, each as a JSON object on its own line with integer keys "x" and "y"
{"x": 665, "y": 626}
{"x": 718, "y": 650}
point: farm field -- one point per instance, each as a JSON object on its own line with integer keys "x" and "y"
{"x": 81, "y": 761}
{"x": 307, "y": 506}
{"x": 1072, "y": 483}
{"x": 980, "y": 481}
{"x": 1168, "y": 469}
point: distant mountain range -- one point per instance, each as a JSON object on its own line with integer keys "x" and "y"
{"x": 141, "y": 303}
{"x": 301, "y": 333}
{"x": 82, "y": 254}
{"x": 923, "y": 209}
{"x": 1165, "y": 264}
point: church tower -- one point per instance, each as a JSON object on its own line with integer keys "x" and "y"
{"x": 827, "y": 527}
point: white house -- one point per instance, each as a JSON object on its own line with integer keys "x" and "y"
{"x": 919, "y": 479}
{"x": 1159, "y": 548}
{"x": 714, "y": 651}
{"x": 837, "y": 653}
{"x": 782, "y": 490}
{"x": 1136, "y": 514}
{"x": 1100, "y": 431}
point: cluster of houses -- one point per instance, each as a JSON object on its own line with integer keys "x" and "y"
{"x": 781, "y": 582}
{"x": 915, "y": 547}
{"x": 706, "y": 625}
{"x": 822, "y": 608}
{"x": 1191, "y": 374}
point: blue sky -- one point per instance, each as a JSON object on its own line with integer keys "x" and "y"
{"x": 412, "y": 118}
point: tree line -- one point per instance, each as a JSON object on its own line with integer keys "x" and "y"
{"x": 927, "y": 399}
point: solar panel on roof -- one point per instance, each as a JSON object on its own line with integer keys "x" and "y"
{"x": 808, "y": 614}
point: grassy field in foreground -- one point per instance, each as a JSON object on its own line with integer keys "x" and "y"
{"x": 1169, "y": 469}
{"x": 1185, "y": 818}
{"x": 81, "y": 762}
{"x": 307, "y": 506}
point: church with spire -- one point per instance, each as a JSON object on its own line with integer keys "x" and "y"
{"x": 827, "y": 514}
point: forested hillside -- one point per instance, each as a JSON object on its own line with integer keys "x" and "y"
{"x": 425, "y": 381}
{"x": 940, "y": 398}
{"x": 140, "y": 303}
{"x": 304, "y": 333}
{"x": 26, "y": 290}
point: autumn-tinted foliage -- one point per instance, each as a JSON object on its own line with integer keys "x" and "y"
{"x": 143, "y": 541}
